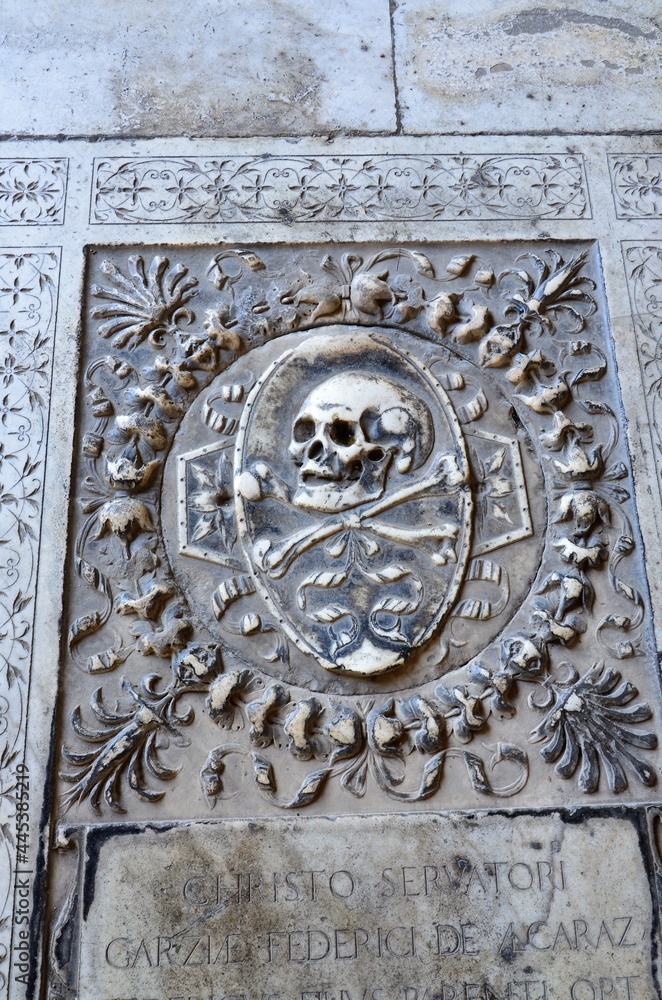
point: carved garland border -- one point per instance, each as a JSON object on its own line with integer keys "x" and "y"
{"x": 587, "y": 720}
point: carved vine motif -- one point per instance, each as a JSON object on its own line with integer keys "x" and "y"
{"x": 524, "y": 326}
{"x": 28, "y": 300}
{"x": 301, "y": 188}
{"x": 637, "y": 185}
{"x": 32, "y": 192}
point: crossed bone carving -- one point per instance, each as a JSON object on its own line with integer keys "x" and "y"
{"x": 275, "y": 560}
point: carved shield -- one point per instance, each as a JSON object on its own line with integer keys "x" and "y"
{"x": 353, "y": 499}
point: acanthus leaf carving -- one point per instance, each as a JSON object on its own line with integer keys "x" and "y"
{"x": 334, "y": 516}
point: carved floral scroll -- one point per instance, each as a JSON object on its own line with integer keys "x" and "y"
{"x": 301, "y": 491}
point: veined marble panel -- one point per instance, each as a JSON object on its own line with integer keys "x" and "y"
{"x": 506, "y": 67}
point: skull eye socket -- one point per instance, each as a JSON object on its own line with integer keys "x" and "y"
{"x": 304, "y": 429}
{"x": 343, "y": 432}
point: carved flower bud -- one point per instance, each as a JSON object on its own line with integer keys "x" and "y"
{"x": 581, "y": 555}
{"x": 298, "y": 725}
{"x": 457, "y": 265}
{"x": 519, "y": 654}
{"x": 385, "y": 731}
{"x": 467, "y": 710}
{"x": 547, "y": 398}
{"x": 218, "y": 333}
{"x": 196, "y": 663}
{"x": 259, "y": 714}
{"x": 551, "y": 629}
{"x": 430, "y": 737}
{"x": 119, "y": 368}
{"x": 496, "y": 349}
{"x": 100, "y": 404}
{"x": 178, "y": 372}
{"x": 125, "y": 518}
{"x": 578, "y": 464}
{"x": 563, "y": 430}
{"x": 475, "y": 327}
{"x": 127, "y": 470}
{"x": 92, "y": 445}
{"x": 523, "y": 365}
{"x": 210, "y": 775}
{"x": 501, "y": 682}
{"x": 441, "y": 311}
{"x": 484, "y": 276}
{"x": 344, "y": 730}
{"x": 222, "y": 694}
{"x": 149, "y": 428}
{"x": 250, "y": 623}
{"x": 586, "y": 507}
{"x": 369, "y": 292}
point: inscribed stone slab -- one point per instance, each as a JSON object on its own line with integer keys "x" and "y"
{"x": 406, "y": 908}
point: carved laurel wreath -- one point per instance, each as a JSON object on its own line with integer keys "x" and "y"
{"x": 588, "y": 723}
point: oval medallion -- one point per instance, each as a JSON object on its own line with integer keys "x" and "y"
{"x": 353, "y": 499}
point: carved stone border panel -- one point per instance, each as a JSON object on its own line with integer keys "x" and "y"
{"x": 643, "y": 268}
{"x": 637, "y": 185}
{"x": 329, "y": 188}
{"x": 28, "y": 305}
{"x": 33, "y": 192}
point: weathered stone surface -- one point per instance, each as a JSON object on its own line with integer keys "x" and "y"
{"x": 407, "y": 908}
{"x": 513, "y": 67}
{"x": 268, "y": 68}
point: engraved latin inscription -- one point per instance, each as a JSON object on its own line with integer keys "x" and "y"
{"x": 397, "y": 908}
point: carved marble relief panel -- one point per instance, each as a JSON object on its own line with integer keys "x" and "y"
{"x": 352, "y": 525}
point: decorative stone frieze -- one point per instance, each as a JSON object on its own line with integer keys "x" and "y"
{"x": 336, "y": 188}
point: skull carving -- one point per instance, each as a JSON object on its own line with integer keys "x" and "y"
{"x": 348, "y": 433}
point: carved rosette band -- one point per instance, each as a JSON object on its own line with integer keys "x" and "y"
{"x": 304, "y": 508}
